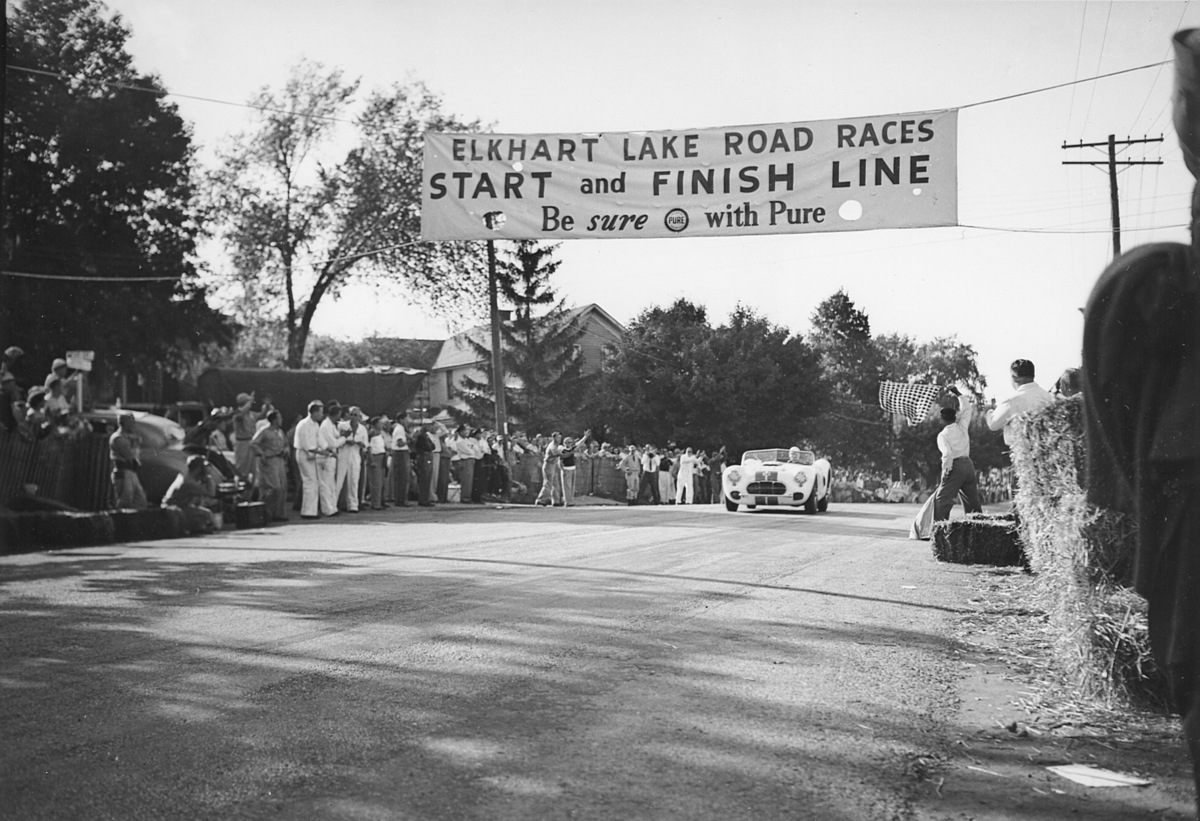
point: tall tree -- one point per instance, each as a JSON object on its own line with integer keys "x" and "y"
{"x": 841, "y": 335}
{"x": 538, "y": 348}
{"x": 300, "y": 227}
{"x": 744, "y": 384}
{"x": 98, "y": 198}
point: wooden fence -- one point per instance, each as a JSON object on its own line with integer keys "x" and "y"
{"x": 73, "y": 470}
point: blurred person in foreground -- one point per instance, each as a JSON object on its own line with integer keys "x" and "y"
{"x": 1141, "y": 389}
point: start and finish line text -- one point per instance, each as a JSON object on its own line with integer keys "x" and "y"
{"x": 897, "y": 171}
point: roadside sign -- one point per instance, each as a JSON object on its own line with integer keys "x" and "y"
{"x": 80, "y": 360}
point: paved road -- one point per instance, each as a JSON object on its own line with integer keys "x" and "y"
{"x": 478, "y": 663}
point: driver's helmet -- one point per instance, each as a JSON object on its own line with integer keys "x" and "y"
{"x": 793, "y": 454}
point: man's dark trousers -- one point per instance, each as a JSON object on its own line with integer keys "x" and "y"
{"x": 650, "y": 479}
{"x": 424, "y": 466}
{"x": 959, "y": 479}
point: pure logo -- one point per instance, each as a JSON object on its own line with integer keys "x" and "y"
{"x": 676, "y": 220}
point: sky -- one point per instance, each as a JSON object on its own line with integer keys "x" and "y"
{"x": 1010, "y": 279}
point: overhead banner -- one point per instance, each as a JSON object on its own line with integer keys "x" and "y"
{"x": 858, "y": 174}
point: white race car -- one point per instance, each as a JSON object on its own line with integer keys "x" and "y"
{"x": 777, "y": 477}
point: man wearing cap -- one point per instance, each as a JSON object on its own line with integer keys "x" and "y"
{"x": 124, "y": 451}
{"x": 1029, "y": 396}
{"x": 195, "y": 493}
{"x": 70, "y": 380}
{"x": 244, "y": 419}
{"x": 310, "y": 452}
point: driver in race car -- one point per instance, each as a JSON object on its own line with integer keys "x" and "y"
{"x": 794, "y": 455}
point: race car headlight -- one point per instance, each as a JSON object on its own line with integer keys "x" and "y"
{"x": 733, "y": 477}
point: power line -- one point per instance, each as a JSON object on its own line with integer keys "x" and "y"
{"x": 164, "y": 93}
{"x": 90, "y": 279}
{"x": 1064, "y": 85}
{"x": 158, "y": 92}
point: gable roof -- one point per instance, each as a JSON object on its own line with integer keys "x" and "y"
{"x": 404, "y": 351}
{"x": 457, "y": 351}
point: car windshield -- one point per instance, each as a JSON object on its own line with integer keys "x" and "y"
{"x": 804, "y": 457}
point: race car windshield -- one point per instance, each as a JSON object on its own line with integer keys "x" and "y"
{"x": 804, "y": 457}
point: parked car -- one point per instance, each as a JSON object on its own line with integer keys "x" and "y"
{"x": 777, "y": 477}
{"x": 163, "y": 457}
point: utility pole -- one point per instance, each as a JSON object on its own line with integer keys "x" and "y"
{"x": 494, "y": 220}
{"x": 1112, "y": 164}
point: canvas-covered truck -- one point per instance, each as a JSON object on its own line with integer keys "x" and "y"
{"x": 376, "y": 390}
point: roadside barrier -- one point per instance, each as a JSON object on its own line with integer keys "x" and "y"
{"x": 73, "y": 470}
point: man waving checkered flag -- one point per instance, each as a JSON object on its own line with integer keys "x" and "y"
{"x": 911, "y": 401}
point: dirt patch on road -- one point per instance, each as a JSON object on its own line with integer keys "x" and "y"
{"x": 1016, "y": 718}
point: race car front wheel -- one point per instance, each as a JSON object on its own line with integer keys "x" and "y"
{"x": 730, "y": 505}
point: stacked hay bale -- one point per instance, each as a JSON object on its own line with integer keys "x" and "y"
{"x": 1082, "y": 557}
{"x": 978, "y": 538}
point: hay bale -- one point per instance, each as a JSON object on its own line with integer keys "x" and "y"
{"x": 1121, "y": 637}
{"x": 1081, "y": 556}
{"x": 978, "y": 538}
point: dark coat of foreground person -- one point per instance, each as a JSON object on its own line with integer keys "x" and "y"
{"x": 1141, "y": 386}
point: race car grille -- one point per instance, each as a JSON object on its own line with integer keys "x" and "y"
{"x": 766, "y": 489}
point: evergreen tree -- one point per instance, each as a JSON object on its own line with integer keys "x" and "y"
{"x": 538, "y": 349}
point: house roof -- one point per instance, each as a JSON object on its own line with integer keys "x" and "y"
{"x": 457, "y": 351}
{"x": 412, "y": 353}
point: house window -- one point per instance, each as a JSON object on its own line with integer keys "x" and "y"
{"x": 449, "y": 385}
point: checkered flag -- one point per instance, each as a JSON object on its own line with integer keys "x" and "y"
{"x": 908, "y": 400}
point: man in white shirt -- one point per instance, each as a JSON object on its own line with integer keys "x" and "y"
{"x": 466, "y": 463}
{"x": 1029, "y": 397}
{"x": 958, "y": 471}
{"x": 331, "y": 441}
{"x": 685, "y": 481}
{"x": 307, "y": 444}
